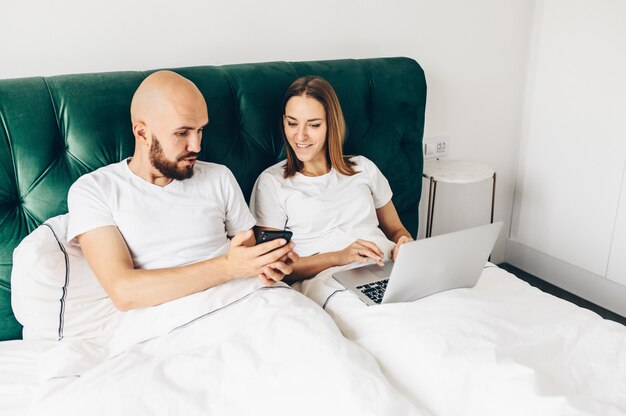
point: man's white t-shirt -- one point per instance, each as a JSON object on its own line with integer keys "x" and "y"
{"x": 180, "y": 223}
{"x": 325, "y": 213}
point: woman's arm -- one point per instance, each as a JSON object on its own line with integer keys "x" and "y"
{"x": 389, "y": 222}
{"x": 309, "y": 266}
{"x": 359, "y": 251}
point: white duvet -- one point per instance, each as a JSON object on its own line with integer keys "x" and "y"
{"x": 237, "y": 349}
{"x": 501, "y": 348}
{"x": 19, "y": 369}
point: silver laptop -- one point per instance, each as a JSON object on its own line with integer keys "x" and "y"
{"x": 424, "y": 267}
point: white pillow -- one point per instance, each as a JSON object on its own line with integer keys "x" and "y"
{"x": 54, "y": 292}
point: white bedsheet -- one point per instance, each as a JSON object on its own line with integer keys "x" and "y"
{"x": 238, "y": 349}
{"x": 19, "y": 374}
{"x": 500, "y": 348}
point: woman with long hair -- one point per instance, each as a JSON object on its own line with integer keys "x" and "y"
{"x": 338, "y": 207}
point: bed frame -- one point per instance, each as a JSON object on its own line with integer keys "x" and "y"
{"x": 55, "y": 129}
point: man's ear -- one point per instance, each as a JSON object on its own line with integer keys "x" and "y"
{"x": 140, "y": 132}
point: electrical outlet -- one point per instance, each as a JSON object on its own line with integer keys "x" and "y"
{"x": 442, "y": 147}
{"x": 436, "y": 146}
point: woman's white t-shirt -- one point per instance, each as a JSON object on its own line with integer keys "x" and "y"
{"x": 327, "y": 212}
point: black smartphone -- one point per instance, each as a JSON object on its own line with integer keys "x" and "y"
{"x": 269, "y": 235}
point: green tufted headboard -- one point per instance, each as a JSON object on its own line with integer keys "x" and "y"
{"x": 54, "y": 129}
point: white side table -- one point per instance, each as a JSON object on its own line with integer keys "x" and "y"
{"x": 454, "y": 171}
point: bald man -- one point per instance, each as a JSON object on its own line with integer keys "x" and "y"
{"x": 156, "y": 226}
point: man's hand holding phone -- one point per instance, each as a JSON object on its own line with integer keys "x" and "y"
{"x": 267, "y": 260}
{"x": 266, "y": 239}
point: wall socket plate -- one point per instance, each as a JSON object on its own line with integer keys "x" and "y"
{"x": 436, "y": 146}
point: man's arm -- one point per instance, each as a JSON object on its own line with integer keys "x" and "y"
{"x": 130, "y": 288}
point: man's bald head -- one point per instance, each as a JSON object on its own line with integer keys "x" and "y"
{"x": 169, "y": 114}
{"x": 163, "y": 92}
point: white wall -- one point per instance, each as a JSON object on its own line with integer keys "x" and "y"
{"x": 474, "y": 55}
{"x": 567, "y": 209}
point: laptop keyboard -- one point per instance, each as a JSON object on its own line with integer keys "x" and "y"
{"x": 374, "y": 290}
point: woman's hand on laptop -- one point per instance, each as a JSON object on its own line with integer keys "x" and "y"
{"x": 360, "y": 251}
{"x": 396, "y": 249}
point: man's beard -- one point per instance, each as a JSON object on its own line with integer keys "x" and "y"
{"x": 168, "y": 168}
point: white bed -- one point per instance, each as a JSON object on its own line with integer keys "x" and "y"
{"x": 502, "y": 347}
